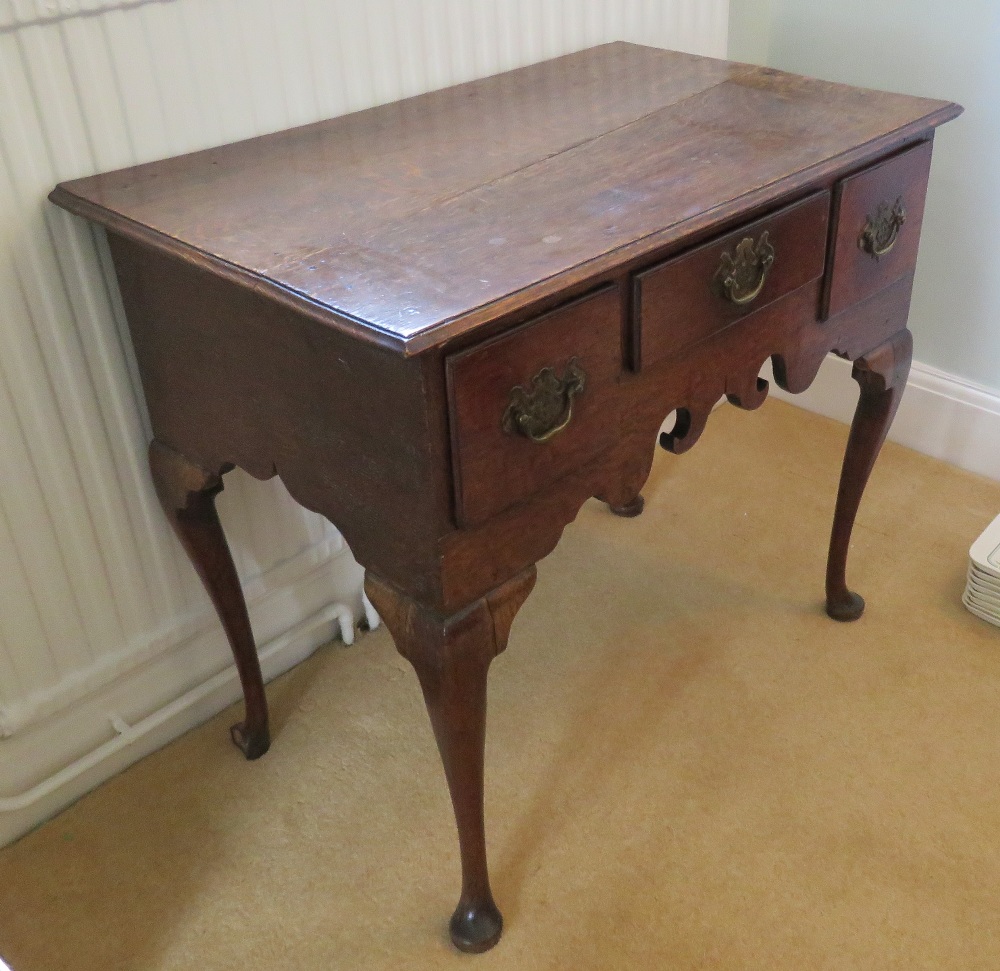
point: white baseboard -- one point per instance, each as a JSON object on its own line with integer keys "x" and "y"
{"x": 940, "y": 415}
{"x": 51, "y": 763}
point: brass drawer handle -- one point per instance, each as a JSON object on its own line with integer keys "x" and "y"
{"x": 882, "y": 230}
{"x": 741, "y": 278}
{"x": 546, "y": 409}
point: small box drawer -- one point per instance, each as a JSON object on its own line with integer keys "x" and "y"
{"x": 531, "y": 405}
{"x": 701, "y": 292}
{"x": 877, "y": 214}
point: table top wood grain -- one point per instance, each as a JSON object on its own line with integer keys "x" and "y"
{"x": 411, "y": 222}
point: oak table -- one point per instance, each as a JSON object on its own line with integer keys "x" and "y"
{"x": 447, "y": 322}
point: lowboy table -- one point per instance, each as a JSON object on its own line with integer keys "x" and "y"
{"x": 447, "y": 322}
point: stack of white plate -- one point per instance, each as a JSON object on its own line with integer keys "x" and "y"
{"x": 982, "y": 587}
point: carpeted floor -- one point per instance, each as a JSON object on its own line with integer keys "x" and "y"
{"x": 689, "y": 766}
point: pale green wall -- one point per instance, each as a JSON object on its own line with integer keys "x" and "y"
{"x": 947, "y": 50}
{"x": 750, "y": 29}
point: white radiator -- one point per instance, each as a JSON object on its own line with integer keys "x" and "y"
{"x": 108, "y": 646}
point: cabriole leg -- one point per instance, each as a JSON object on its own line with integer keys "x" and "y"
{"x": 882, "y": 376}
{"x": 452, "y": 656}
{"x": 187, "y": 494}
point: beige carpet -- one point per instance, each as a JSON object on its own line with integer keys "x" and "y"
{"x": 689, "y": 766}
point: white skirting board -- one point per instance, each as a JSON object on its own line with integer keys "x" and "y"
{"x": 941, "y": 415}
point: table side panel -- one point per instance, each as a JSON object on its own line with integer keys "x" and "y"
{"x": 231, "y": 377}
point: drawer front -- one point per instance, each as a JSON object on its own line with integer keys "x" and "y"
{"x": 699, "y": 293}
{"x": 878, "y": 213}
{"x": 532, "y": 405}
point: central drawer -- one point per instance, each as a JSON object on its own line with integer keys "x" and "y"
{"x": 534, "y": 404}
{"x": 694, "y": 295}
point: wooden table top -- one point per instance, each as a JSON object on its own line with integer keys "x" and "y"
{"x": 412, "y": 222}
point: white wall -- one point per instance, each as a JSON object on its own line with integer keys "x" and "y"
{"x": 108, "y": 646}
{"x": 942, "y": 50}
